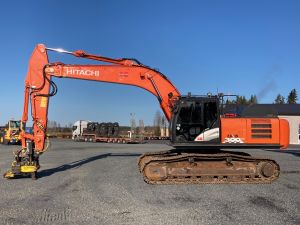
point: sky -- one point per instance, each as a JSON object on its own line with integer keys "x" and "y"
{"x": 233, "y": 47}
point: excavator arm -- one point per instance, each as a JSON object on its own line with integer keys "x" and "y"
{"x": 39, "y": 86}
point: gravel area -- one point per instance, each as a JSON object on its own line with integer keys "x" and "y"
{"x": 97, "y": 183}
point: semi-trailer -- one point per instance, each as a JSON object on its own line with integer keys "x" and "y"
{"x": 88, "y": 131}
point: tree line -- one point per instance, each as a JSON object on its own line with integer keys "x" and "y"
{"x": 242, "y": 100}
{"x": 280, "y": 99}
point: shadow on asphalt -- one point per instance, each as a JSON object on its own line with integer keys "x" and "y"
{"x": 78, "y": 163}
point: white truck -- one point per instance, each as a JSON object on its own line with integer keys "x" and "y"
{"x": 78, "y": 127}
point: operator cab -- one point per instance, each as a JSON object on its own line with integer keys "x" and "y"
{"x": 196, "y": 119}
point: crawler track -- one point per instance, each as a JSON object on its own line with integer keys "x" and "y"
{"x": 197, "y": 168}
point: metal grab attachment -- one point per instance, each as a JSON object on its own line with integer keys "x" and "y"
{"x": 26, "y": 163}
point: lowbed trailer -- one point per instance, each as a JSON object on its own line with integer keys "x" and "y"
{"x": 119, "y": 140}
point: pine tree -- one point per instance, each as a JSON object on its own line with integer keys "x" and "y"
{"x": 292, "y": 98}
{"x": 241, "y": 100}
{"x": 279, "y": 99}
{"x": 253, "y": 99}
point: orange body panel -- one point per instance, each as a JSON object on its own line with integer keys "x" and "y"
{"x": 284, "y": 133}
{"x": 255, "y": 131}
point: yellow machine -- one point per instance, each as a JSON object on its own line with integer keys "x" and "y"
{"x": 10, "y": 134}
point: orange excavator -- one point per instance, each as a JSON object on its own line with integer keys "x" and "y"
{"x": 194, "y": 158}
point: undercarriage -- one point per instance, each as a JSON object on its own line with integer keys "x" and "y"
{"x": 219, "y": 167}
{"x": 181, "y": 167}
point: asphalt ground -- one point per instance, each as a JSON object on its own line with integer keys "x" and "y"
{"x": 96, "y": 183}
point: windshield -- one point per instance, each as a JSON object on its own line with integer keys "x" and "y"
{"x": 190, "y": 113}
{"x": 74, "y": 128}
{"x": 14, "y": 124}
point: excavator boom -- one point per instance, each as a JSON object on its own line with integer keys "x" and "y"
{"x": 122, "y": 71}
